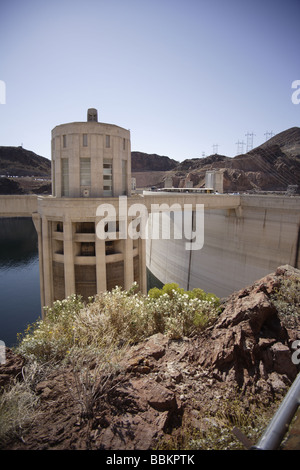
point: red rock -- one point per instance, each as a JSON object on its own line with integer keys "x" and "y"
{"x": 12, "y": 368}
{"x": 163, "y": 382}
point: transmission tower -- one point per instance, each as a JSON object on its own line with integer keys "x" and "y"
{"x": 215, "y": 148}
{"x": 240, "y": 147}
{"x": 249, "y": 141}
{"x": 268, "y": 135}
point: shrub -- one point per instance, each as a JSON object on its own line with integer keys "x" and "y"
{"x": 18, "y": 405}
{"x": 93, "y": 375}
{"x": 287, "y": 301}
{"x": 178, "y": 313}
{"x": 216, "y": 431}
{"x": 117, "y": 318}
{"x": 172, "y": 288}
{"x": 113, "y": 317}
{"x": 52, "y": 337}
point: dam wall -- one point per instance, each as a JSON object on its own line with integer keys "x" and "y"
{"x": 245, "y": 236}
{"x": 240, "y": 246}
{"x": 18, "y": 205}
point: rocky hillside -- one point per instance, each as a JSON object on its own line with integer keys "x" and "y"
{"x": 149, "y": 169}
{"x": 288, "y": 141}
{"x": 175, "y": 392}
{"x": 17, "y": 161}
{"x": 23, "y": 172}
{"x": 25, "y": 185}
{"x": 272, "y": 166}
{"x": 151, "y": 162}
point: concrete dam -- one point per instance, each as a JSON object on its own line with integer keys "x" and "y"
{"x": 245, "y": 238}
{"x": 240, "y": 246}
{"x": 242, "y": 237}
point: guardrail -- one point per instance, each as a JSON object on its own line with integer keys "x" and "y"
{"x": 280, "y": 422}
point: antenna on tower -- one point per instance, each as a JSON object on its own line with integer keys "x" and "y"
{"x": 268, "y": 135}
{"x": 240, "y": 147}
{"x": 215, "y": 148}
{"x": 249, "y": 141}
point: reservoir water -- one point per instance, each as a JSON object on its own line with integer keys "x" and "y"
{"x": 20, "y": 303}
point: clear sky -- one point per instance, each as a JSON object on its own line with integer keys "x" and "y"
{"x": 182, "y": 75}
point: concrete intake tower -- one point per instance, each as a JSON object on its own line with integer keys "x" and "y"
{"x": 91, "y": 165}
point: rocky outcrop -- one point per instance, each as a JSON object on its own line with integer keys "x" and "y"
{"x": 249, "y": 344}
{"x": 141, "y": 161}
{"x": 17, "y": 161}
{"x": 272, "y": 166}
{"x": 12, "y": 368}
{"x": 10, "y": 186}
{"x": 162, "y": 383}
{"x": 288, "y": 141}
{"x": 24, "y": 172}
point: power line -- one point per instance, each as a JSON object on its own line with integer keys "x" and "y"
{"x": 240, "y": 147}
{"x": 268, "y": 135}
{"x": 266, "y": 163}
{"x": 215, "y": 148}
{"x": 249, "y": 141}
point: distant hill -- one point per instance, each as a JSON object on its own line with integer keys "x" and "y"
{"x": 22, "y": 170}
{"x": 288, "y": 141}
{"x": 272, "y": 166}
{"x": 17, "y": 161}
{"x": 151, "y": 162}
{"x": 149, "y": 169}
{"x": 10, "y": 186}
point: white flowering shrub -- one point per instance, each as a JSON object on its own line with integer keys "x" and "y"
{"x": 181, "y": 313}
{"x": 117, "y": 318}
{"x": 287, "y": 301}
{"x": 113, "y": 317}
{"x": 53, "y": 336}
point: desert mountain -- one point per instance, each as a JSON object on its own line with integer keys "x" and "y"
{"x": 24, "y": 172}
{"x": 151, "y": 162}
{"x": 272, "y": 166}
{"x": 17, "y": 161}
{"x": 288, "y": 141}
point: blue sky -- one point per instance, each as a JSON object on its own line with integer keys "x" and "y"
{"x": 182, "y": 75}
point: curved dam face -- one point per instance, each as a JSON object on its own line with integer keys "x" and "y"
{"x": 240, "y": 246}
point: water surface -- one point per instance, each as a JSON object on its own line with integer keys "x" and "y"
{"x": 20, "y": 303}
